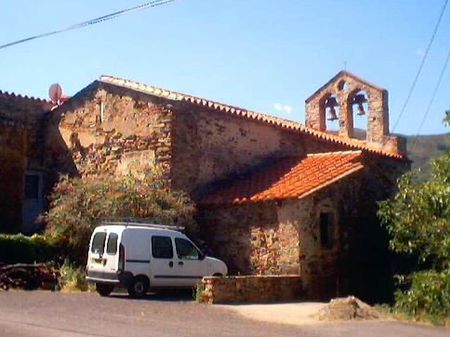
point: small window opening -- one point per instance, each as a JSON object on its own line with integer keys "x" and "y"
{"x": 342, "y": 85}
{"x": 327, "y": 229}
{"x": 31, "y": 186}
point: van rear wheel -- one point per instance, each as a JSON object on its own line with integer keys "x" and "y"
{"x": 104, "y": 289}
{"x": 139, "y": 287}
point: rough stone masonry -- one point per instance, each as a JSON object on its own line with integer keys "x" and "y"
{"x": 315, "y": 221}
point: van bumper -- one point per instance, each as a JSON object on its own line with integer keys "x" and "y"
{"x": 120, "y": 278}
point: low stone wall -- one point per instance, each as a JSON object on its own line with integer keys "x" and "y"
{"x": 250, "y": 289}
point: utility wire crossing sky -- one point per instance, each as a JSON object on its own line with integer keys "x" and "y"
{"x": 266, "y": 56}
{"x": 419, "y": 71}
{"x": 100, "y": 19}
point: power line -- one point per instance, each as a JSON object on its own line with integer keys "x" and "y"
{"x": 433, "y": 96}
{"x": 94, "y": 21}
{"x": 419, "y": 71}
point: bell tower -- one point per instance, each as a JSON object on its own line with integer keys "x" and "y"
{"x": 347, "y": 99}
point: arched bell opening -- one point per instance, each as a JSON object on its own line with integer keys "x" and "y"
{"x": 358, "y": 109}
{"x": 343, "y": 86}
{"x": 330, "y": 110}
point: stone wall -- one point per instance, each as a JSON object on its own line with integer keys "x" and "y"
{"x": 210, "y": 145}
{"x": 13, "y": 163}
{"x": 343, "y": 88}
{"x": 106, "y": 129}
{"x": 109, "y": 130}
{"x": 20, "y": 150}
{"x": 250, "y": 289}
{"x": 285, "y": 238}
{"x": 358, "y": 261}
{"x": 319, "y": 265}
{"x": 251, "y": 239}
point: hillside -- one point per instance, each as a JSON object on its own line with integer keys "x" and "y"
{"x": 422, "y": 150}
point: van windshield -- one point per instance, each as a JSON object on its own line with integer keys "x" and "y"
{"x": 98, "y": 243}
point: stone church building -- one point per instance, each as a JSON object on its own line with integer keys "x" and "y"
{"x": 274, "y": 196}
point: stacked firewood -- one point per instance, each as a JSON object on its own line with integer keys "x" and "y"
{"x": 28, "y": 276}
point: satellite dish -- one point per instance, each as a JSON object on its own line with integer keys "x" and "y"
{"x": 55, "y": 93}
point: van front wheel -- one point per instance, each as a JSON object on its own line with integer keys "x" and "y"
{"x": 139, "y": 287}
{"x": 104, "y": 289}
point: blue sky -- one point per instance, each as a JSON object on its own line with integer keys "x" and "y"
{"x": 264, "y": 55}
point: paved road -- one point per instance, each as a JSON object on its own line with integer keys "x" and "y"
{"x": 46, "y": 314}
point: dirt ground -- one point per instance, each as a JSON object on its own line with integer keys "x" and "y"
{"x": 55, "y": 314}
{"x": 286, "y": 313}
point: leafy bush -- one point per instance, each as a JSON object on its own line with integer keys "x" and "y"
{"x": 198, "y": 292}
{"x": 79, "y": 205}
{"x": 72, "y": 278}
{"x": 418, "y": 221}
{"x": 428, "y": 295}
{"x": 25, "y": 249}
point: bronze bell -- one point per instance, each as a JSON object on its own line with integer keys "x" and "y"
{"x": 361, "y": 111}
{"x": 359, "y": 100}
{"x": 332, "y": 114}
{"x": 331, "y": 104}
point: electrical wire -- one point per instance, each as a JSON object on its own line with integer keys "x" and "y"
{"x": 433, "y": 96}
{"x": 419, "y": 71}
{"x": 90, "y": 22}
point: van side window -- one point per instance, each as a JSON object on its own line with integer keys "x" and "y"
{"x": 98, "y": 242}
{"x": 186, "y": 250}
{"x": 111, "y": 246}
{"x": 162, "y": 247}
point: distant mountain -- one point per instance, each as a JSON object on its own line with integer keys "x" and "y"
{"x": 423, "y": 149}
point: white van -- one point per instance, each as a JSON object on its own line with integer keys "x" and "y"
{"x": 141, "y": 256}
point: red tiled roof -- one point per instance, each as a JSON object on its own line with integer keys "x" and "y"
{"x": 276, "y": 121}
{"x": 289, "y": 178}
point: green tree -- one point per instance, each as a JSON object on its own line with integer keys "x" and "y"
{"x": 418, "y": 221}
{"x": 79, "y": 204}
{"x": 418, "y": 217}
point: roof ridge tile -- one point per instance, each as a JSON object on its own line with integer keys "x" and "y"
{"x": 316, "y": 154}
{"x": 25, "y": 97}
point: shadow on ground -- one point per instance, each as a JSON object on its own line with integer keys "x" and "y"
{"x": 176, "y": 295}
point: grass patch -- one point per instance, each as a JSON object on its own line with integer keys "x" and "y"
{"x": 389, "y": 312}
{"x": 73, "y": 278}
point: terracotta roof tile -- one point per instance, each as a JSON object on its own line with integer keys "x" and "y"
{"x": 276, "y": 121}
{"x": 289, "y": 178}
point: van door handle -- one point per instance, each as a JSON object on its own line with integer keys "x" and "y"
{"x": 181, "y": 263}
{"x": 171, "y": 264}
